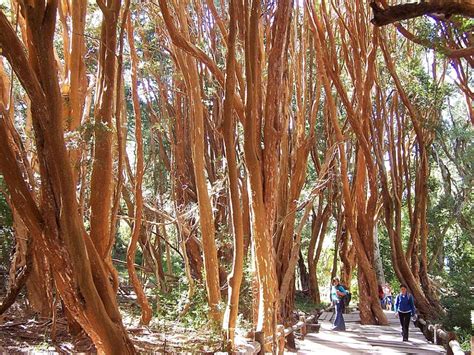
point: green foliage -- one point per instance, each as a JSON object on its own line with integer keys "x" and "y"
{"x": 6, "y": 220}
{"x": 450, "y": 216}
{"x": 305, "y": 304}
{"x": 172, "y": 303}
{"x": 458, "y": 297}
{"x": 430, "y": 34}
{"x": 246, "y": 295}
{"x": 324, "y": 267}
{"x": 424, "y": 92}
{"x": 385, "y": 254}
{"x": 6, "y": 224}
{"x": 119, "y": 250}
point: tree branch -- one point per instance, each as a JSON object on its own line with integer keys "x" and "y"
{"x": 400, "y": 12}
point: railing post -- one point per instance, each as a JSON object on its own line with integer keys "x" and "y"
{"x": 431, "y": 329}
{"x": 438, "y": 336}
{"x": 451, "y": 336}
{"x": 436, "y": 339}
{"x": 281, "y": 339}
{"x": 303, "y": 327}
{"x": 260, "y": 338}
{"x": 427, "y": 331}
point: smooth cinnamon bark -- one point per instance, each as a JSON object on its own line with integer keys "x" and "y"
{"x": 74, "y": 85}
{"x": 264, "y": 254}
{"x": 102, "y": 172}
{"x": 236, "y": 275}
{"x": 395, "y": 13}
{"x": 427, "y": 303}
{"x": 56, "y": 225}
{"x": 138, "y": 212}
{"x": 358, "y": 221}
{"x": 120, "y": 150}
{"x": 206, "y": 220}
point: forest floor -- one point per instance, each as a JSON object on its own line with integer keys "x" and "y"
{"x": 22, "y": 331}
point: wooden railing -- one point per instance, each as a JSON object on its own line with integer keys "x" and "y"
{"x": 434, "y": 333}
{"x": 281, "y": 333}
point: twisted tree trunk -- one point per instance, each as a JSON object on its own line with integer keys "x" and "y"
{"x": 56, "y": 225}
{"x": 236, "y": 275}
{"x": 132, "y": 246}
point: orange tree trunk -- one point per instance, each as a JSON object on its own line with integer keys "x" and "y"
{"x": 425, "y": 300}
{"x": 262, "y": 237}
{"x": 132, "y": 247}
{"x": 360, "y": 242}
{"x": 101, "y": 180}
{"x": 56, "y": 224}
{"x": 235, "y": 277}
{"x": 188, "y": 66}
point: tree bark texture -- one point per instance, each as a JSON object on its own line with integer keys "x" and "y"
{"x": 101, "y": 180}
{"x": 236, "y": 275}
{"x": 262, "y": 240}
{"x": 137, "y": 225}
{"x": 189, "y": 69}
{"x": 426, "y": 304}
{"x": 362, "y": 242}
{"x": 395, "y": 13}
{"x": 55, "y": 224}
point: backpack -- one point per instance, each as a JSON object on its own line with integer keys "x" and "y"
{"x": 347, "y": 297}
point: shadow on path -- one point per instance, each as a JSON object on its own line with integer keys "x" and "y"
{"x": 366, "y": 339}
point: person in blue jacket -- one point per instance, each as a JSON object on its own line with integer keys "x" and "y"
{"x": 337, "y": 293}
{"x": 405, "y": 309}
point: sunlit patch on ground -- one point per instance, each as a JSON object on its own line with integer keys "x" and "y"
{"x": 24, "y": 332}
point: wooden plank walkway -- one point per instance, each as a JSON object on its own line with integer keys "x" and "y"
{"x": 365, "y": 339}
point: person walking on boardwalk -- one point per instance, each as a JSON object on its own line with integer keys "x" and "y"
{"x": 404, "y": 309}
{"x": 337, "y": 294}
{"x": 387, "y": 290}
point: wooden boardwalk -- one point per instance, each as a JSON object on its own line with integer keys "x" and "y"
{"x": 365, "y": 339}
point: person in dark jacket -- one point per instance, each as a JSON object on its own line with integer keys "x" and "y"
{"x": 405, "y": 309}
{"x": 337, "y": 293}
{"x": 381, "y": 296}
